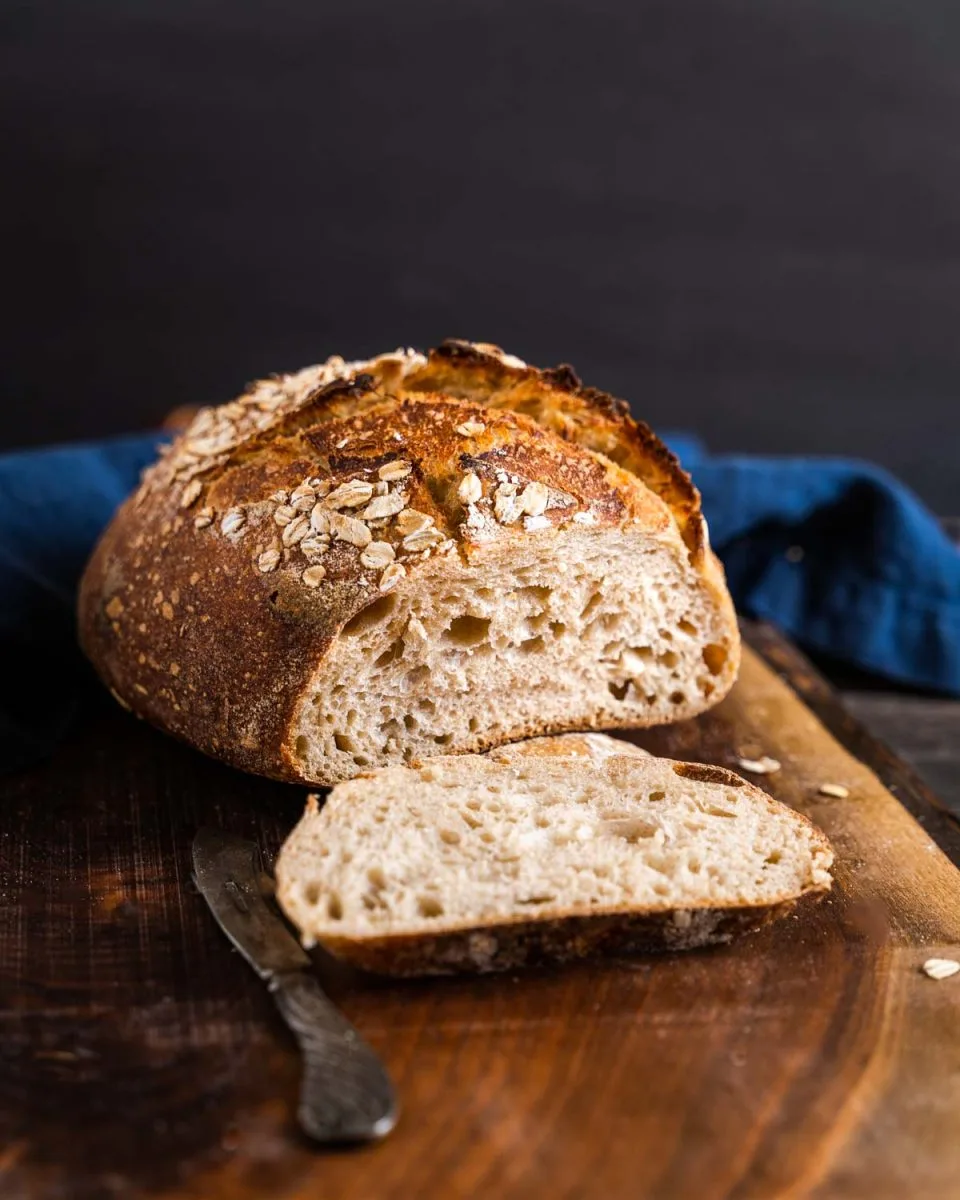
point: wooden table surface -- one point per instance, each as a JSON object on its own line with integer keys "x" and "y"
{"x": 141, "y": 1059}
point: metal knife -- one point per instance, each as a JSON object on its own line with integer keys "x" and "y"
{"x": 345, "y": 1092}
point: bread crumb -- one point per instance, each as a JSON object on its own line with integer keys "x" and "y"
{"x": 759, "y": 766}
{"x": 940, "y": 968}
{"x": 836, "y": 790}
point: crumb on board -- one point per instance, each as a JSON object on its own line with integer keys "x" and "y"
{"x": 759, "y": 766}
{"x": 940, "y": 968}
{"x": 836, "y": 790}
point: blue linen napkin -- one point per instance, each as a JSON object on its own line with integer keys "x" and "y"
{"x": 837, "y": 553}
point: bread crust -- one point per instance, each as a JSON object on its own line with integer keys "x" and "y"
{"x": 191, "y": 623}
{"x": 524, "y": 943}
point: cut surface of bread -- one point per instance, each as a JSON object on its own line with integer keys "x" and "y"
{"x": 598, "y": 629}
{"x": 363, "y": 564}
{"x": 545, "y": 850}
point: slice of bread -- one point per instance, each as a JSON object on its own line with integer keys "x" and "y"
{"x": 546, "y": 850}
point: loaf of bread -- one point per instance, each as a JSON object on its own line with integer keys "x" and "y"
{"x": 368, "y": 563}
{"x": 551, "y": 849}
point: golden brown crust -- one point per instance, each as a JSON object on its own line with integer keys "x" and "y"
{"x": 194, "y": 607}
{"x": 557, "y": 399}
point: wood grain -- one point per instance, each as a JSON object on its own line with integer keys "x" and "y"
{"x": 140, "y": 1057}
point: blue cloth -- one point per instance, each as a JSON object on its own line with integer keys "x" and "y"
{"x": 837, "y": 553}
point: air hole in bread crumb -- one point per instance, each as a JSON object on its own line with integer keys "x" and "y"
{"x": 427, "y": 706}
{"x": 532, "y": 645}
{"x": 715, "y": 656}
{"x": 390, "y": 655}
{"x": 334, "y": 907}
{"x": 654, "y": 797}
{"x": 773, "y": 858}
{"x": 301, "y": 747}
{"x": 372, "y": 615}
{"x": 352, "y": 716}
{"x": 669, "y": 658}
{"x": 361, "y": 760}
{"x": 376, "y": 878}
{"x": 467, "y": 630}
{"x": 443, "y": 739}
{"x": 591, "y": 606}
{"x": 686, "y": 627}
{"x": 473, "y": 724}
{"x": 344, "y": 742}
{"x": 470, "y": 820}
{"x": 537, "y": 592}
{"x": 677, "y": 697}
{"x": 429, "y": 906}
{"x": 311, "y": 893}
{"x": 631, "y": 829}
{"x": 618, "y": 690}
{"x": 544, "y": 899}
{"x": 450, "y": 837}
{"x": 410, "y": 722}
{"x": 666, "y": 635}
{"x": 557, "y": 628}
{"x": 487, "y": 837}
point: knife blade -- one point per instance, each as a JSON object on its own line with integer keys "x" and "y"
{"x": 345, "y": 1094}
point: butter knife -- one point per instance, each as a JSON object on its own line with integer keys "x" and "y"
{"x": 345, "y": 1092}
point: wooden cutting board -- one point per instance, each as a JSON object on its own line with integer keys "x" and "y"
{"x": 139, "y": 1055}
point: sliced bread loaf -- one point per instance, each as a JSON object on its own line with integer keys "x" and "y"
{"x": 550, "y": 849}
{"x": 364, "y": 564}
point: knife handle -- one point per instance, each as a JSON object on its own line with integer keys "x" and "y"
{"x": 345, "y": 1092}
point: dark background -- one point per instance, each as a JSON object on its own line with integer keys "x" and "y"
{"x": 743, "y": 215}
